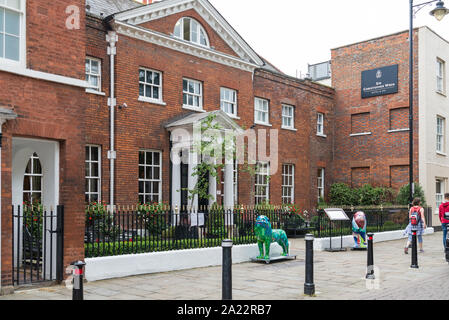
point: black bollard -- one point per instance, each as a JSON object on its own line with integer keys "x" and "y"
{"x": 227, "y": 270}
{"x": 370, "y": 270}
{"x": 78, "y": 278}
{"x": 309, "y": 286}
{"x": 414, "y": 251}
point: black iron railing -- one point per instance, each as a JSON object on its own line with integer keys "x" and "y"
{"x": 37, "y": 244}
{"x": 379, "y": 219}
{"x": 157, "y": 228}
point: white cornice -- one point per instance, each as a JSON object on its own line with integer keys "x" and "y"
{"x": 205, "y": 10}
{"x": 182, "y": 46}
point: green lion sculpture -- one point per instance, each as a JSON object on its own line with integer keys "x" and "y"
{"x": 265, "y": 235}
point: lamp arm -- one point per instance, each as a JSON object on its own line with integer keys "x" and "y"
{"x": 419, "y": 6}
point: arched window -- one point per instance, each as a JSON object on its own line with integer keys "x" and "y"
{"x": 191, "y": 30}
{"x": 32, "y": 181}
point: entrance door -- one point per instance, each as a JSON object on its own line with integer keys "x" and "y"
{"x": 35, "y": 199}
{"x": 184, "y": 186}
{"x": 204, "y": 202}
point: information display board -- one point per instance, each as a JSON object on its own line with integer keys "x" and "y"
{"x": 336, "y": 214}
{"x": 380, "y": 81}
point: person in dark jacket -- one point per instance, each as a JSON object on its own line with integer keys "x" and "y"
{"x": 444, "y": 208}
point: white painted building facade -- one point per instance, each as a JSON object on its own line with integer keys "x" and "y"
{"x": 433, "y": 57}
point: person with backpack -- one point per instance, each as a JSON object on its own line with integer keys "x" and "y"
{"x": 444, "y": 217}
{"x": 417, "y": 222}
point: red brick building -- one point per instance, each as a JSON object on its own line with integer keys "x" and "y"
{"x": 96, "y": 90}
{"x": 43, "y": 102}
{"x": 371, "y": 134}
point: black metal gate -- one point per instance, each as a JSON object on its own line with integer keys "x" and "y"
{"x": 37, "y": 244}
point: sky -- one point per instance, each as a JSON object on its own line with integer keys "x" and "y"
{"x": 294, "y": 33}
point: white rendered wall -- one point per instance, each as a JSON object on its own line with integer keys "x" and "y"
{"x": 129, "y": 265}
{"x": 431, "y": 103}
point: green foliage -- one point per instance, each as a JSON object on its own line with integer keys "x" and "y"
{"x": 33, "y": 219}
{"x": 404, "y": 194}
{"x": 342, "y": 194}
{"x": 93, "y": 250}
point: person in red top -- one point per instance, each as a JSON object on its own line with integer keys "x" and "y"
{"x": 444, "y": 212}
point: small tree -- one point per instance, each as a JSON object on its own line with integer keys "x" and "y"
{"x": 404, "y": 194}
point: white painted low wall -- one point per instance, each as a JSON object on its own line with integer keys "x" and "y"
{"x": 348, "y": 241}
{"x": 147, "y": 263}
{"x": 131, "y": 265}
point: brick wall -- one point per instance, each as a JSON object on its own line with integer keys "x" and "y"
{"x": 382, "y": 149}
{"x": 141, "y": 124}
{"x": 48, "y": 111}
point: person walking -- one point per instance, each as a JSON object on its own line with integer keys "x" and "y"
{"x": 444, "y": 217}
{"x": 417, "y": 222}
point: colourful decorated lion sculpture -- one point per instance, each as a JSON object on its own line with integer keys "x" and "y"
{"x": 265, "y": 236}
{"x": 359, "y": 229}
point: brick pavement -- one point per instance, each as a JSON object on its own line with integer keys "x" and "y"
{"x": 337, "y": 276}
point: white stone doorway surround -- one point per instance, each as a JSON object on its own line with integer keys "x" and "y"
{"x": 184, "y": 157}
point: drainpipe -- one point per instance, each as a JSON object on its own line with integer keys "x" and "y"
{"x": 112, "y": 39}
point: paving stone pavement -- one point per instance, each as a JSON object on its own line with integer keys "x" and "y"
{"x": 339, "y": 275}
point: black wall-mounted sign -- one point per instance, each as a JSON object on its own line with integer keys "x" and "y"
{"x": 380, "y": 82}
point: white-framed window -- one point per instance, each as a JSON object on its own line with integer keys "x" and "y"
{"x": 320, "y": 183}
{"x": 288, "y": 184}
{"x": 192, "y": 94}
{"x": 228, "y": 101}
{"x": 150, "y": 176}
{"x": 32, "y": 181}
{"x": 189, "y": 29}
{"x": 261, "y": 111}
{"x": 12, "y": 30}
{"x": 320, "y": 124}
{"x": 262, "y": 183}
{"x": 441, "y": 72}
{"x": 441, "y": 123}
{"x": 93, "y": 73}
{"x": 93, "y": 174}
{"x": 150, "y": 84}
{"x": 439, "y": 192}
{"x": 288, "y": 116}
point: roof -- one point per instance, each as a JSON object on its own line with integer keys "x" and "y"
{"x": 105, "y": 8}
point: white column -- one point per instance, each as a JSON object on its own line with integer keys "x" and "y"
{"x": 193, "y": 162}
{"x": 229, "y": 184}
{"x": 213, "y": 188}
{"x": 176, "y": 182}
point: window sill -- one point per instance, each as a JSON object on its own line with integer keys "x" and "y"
{"x": 263, "y": 124}
{"x": 360, "y": 134}
{"x": 290, "y": 129}
{"x": 441, "y": 154}
{"x": 321, "y": 135}
{"x": 441, "y": 93}
{"x": 193, "y": 109}
{"x": 398, "y": 130}
{"x": 233, "y": 116}
{"x": 152, "y": 101}
{"x": 99, "y": 93}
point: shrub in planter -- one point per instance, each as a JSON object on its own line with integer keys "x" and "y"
{"x": 404, "y": 194}
{"x": 342, "y": 194}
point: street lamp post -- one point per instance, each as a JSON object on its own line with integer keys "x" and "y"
{"x": 439, "y": 13}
